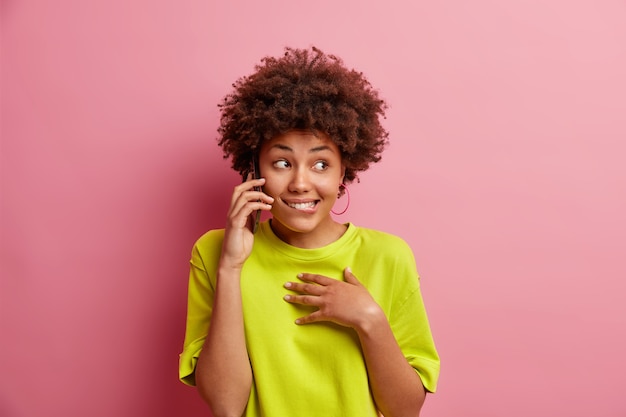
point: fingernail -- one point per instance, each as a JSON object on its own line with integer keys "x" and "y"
{"x": 287, "y": 284}
{"x": 287, "y": 297}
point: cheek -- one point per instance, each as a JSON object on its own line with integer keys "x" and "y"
{"x": 271, "y": 187}
{"x": 330, "y": 188}
{"x": 269, "y": 191}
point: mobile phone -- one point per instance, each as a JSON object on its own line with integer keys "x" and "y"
{"x": 255, "y": 175}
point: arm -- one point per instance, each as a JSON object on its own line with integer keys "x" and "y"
{"x": 396, "y": 387}
{"x": 223, "y": 373}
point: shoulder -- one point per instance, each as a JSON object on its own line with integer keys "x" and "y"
{"x": 210, "y": 239}
{"x": 383, "y": 241}
{"x": 208, "y": 247}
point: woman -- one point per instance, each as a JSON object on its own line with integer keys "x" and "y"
{"x": 278, "y": 323}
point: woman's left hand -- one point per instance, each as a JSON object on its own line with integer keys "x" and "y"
{"x": 347, "y": 303}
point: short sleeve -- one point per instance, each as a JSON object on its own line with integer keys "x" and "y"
{"x": 199, "y": 309}
{"x": 412, "y": 330}
{"x": 410, "y": 325}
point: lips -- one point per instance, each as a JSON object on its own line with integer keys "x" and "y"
{"x": 307, "y": 205}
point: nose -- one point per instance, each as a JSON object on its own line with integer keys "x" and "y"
{"x": 300, "y": 181}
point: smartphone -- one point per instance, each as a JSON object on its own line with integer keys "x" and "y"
{"x": 256, "y": 175}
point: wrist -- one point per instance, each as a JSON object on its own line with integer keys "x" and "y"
{"x": 227, "y": 269}
{"x": 371, "y": 320}
{"x": 230, "y": 262}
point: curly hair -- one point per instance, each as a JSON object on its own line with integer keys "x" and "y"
{"x": 305, "y": 90}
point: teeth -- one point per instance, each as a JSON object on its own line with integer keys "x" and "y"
{"x": 302, "y": 206}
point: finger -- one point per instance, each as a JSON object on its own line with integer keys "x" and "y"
{"x": 236, "y": 195}
{"x": 318, "y": 279}
{"x": 249, "y": 201}
{"x": 349, "y": 276}
{"x": 309, "y": 300}
{"x": 311, "y": 318}
{"x": 311, "y": 289}
{"x": 249, "y": 185}
{"x": 241, "y": 216}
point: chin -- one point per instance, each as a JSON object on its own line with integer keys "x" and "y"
{"x": 302, "y": 226}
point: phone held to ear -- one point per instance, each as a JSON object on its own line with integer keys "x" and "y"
{"x": 256, "y": 216}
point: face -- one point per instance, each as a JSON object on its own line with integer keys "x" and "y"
{"x": 303, "y": 173}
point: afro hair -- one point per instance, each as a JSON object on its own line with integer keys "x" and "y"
{"x": 305, "y": 89}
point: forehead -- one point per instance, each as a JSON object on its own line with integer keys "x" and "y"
{"x": 301, "y": 140}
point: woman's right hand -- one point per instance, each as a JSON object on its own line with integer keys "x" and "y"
{"x": 238, "y": 236}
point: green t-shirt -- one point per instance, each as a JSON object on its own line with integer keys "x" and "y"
{"x": 315, "y": 369}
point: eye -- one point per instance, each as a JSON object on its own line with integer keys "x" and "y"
{"x": 320, "y": 165}
{"x": 282, "y": 164}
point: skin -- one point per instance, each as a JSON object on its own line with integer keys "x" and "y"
{"x": 302, "y": 174}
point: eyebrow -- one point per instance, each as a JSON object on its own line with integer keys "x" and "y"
{"x": 312, "y": 150}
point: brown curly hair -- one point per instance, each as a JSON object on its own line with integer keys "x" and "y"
{"x": 305, "y": 90}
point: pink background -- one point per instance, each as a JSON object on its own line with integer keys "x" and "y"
{"x": 505, "y": 173}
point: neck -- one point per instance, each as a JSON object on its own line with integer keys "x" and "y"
{"x": 317, "y": 238}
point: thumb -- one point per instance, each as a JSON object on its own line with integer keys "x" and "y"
{"x": 349, "y": 276}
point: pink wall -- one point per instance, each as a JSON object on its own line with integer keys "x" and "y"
{"x": 506, "y": 174}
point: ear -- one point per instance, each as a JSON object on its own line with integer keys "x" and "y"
{"x": 341, "y": 181}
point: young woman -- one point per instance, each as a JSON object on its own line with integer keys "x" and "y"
{"x": 304, "y": 315}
